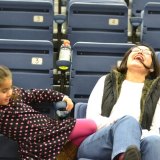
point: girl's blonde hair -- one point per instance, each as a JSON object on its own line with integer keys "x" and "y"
{"x": 4, "y": 73}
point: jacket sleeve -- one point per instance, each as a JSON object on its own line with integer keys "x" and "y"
{"x": 41, "y": 96}
{"x": 155, "y": 127}
{"x": 94, "y": 105}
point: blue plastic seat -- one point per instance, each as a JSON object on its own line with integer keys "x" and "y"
{"x": 26, "y": 19}
{"x": 97, "y": 21}
{"x": 29, "y": 61}
{"x": 150, "y": 27}
{"x": 91, "y": 60}
{"x": 138, "y": 5}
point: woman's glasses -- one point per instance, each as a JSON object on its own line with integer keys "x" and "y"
{"x": 139, "y": 50}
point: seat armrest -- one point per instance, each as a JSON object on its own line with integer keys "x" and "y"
{"x": 59, "y": 18}
{"x": 80, "y": 110}
{"x": 136, "y": 21}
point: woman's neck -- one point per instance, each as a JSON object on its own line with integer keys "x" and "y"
{"x": 135, "y": 77}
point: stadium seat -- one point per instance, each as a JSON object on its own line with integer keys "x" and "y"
{"x": 29, "y": 61}
{"x": 91, "y": 60}
{"x": 158, "y": 55}
{"x": 97, "y": 21}
{"x": 150, "y": 27}
{"x": 138, "y": 5}
{"x": 26, "y": 19}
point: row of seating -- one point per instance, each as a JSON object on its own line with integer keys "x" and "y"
{"x": 107, "y": 21}
{"x": 26, "y": 41}
{"x": 88, "y": 21}
{"x": 34, "y": 19}
{"x": 26, "y": 47}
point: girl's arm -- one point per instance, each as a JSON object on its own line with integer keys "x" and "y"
{"x": 41, "y": 96}
{"x": 38, "y": 96}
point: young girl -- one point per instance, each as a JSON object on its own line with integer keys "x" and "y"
{"x": 39, "y": 137}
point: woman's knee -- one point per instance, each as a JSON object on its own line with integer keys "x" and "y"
{"x": 130, "y": 120}
{"x": 129, "y": 124}
{"x": 150, "y": 147}
{"x": 151, "y": 142}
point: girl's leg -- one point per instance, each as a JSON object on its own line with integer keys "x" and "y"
{"x": 82, "y": 129}
{"x": 150, "y": 147}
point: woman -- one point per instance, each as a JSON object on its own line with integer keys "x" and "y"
{"x": 125, "y": 104}
{"x": 38, "y": 136}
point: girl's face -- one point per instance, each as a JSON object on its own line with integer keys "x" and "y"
{"x": 5, "y": 91}
{"x": 140, "y": 57}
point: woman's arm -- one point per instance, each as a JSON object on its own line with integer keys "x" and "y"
{"x": 155, "y": 127}
{"x": 94, "y": 105}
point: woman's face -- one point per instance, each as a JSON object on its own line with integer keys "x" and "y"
{"x": 140, "y": 59}
{"x": 5, "y": 91}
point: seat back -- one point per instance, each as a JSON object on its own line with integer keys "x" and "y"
{"x": 150, "y": 28}
{"x": 26, "y": 19}
{"x": 29, "y": 61}
{"x": 90, "y": 61}
{"x": 158, "y": 56}
{"x": 97, "y": 21}
{"x": 8, "y": 149}
{"x": 138, "y": 5}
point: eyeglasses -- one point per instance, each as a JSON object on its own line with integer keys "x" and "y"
{"x": 144, "y": 51}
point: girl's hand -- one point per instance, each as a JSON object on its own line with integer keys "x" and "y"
{"x": 69, "y": 103}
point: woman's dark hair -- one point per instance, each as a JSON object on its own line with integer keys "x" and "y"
{"x": 155, "y": 64}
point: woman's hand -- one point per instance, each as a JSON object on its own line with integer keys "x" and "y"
{"x": 69, "y": 103}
